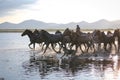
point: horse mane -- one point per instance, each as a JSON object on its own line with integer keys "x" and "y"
{"x": 44, "y": 31}
{"x": 45, "y": 34}
{"x": 58, "y": 32}
{"x": 36, "y": 31}
{"x": 28, "y": 30}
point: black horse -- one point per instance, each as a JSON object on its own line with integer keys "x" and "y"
{"x": 33, "y": 37}
{"x": 40, "y": 37}
{"x": 51, "y": 39}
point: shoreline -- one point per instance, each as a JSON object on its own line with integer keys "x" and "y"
{"x": 21, "y": 30}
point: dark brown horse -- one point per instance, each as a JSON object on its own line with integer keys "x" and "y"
{"x": 101, "y": 37}
{"x": 66, "y": 37}
{"x": 84, "y": 39}
{"x": 117, "y": 34}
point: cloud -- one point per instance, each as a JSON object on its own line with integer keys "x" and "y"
{"x": 6, "y": 6}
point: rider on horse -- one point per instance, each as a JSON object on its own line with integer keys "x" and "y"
{"x": 78, "y": 30}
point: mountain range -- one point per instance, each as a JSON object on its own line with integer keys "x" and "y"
{"x": 34, "y": 24}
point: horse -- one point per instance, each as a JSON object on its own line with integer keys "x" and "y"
{"x": 39, "y": 35}
{"x": 85, "y": 39}
{"x": 31, "y": 36}
{"x": 34, "y": 38}
{"x": 108, "y": 39}
{"x": 51, "y": 39}
{"x": 97, "y": 38}
{"x": 117, "y": 34}
{"x": 66, "y": 37}
{"x": 79, "y": 38}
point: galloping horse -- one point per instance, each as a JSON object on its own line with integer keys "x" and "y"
{"x": 101, "y": 37}
{"x": 33, "y": 38}
{"x": 66, "y": 37}
{"x": 40, "y": 37}
{"x": 117, "y": 34}
{"x": 108, "y": 40}
{"x": 79, "y": 38}
{"x": 51, "y": 39}
{"x": 83, "y": 38}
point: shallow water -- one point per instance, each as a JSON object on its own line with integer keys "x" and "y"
{"x": 15, "y": 64}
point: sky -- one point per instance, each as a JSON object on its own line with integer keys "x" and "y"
{"x": 59, "y": 11}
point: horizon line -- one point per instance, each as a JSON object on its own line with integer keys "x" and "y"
{"x": 60, "y": 23}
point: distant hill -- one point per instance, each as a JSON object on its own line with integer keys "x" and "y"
{"x": 34, "y": 24}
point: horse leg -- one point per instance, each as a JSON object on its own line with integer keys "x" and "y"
{"x": 85, "y": 46}
{"x": 76, "y": 47}
{"x": 63, "y": 55}
{"x": 92, "y": 47}
{"x": 53, "y": 47}
{"x": 99, "y": 46}
{"x": 88, "y": 47}
{"x": 105, "y": 45}
{"x": 46, "y": 47}
{"x": 71, "y": 46}
{"x": 110, "y": 46}
{"x": 81, "y": 49}
{"x": 42, "y": 47}
{"x": 29, "y": 46}
{"x": 118, "y": 46}
{"x": 115, "y": 45}
{"x": 33, "y": 45}
{"x": 60, "y": 47}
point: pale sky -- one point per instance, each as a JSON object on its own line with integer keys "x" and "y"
{"x": 59, "y": 11}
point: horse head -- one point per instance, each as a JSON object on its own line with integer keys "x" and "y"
{"x": 26, "y": 32}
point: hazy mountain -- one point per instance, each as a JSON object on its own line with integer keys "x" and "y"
{"x": 29, "y": 24}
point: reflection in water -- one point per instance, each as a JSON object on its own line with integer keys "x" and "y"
{"x": 76, "y": 67}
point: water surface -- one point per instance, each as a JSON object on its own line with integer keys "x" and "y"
{"x": 15, "y": 64}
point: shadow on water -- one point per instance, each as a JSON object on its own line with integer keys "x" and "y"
{"x": 69, "y": 66}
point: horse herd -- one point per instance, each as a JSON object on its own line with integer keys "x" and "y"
{"x": 69, "y": 40}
